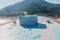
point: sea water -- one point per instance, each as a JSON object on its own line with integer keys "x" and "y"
{"x": 57, "y": 32}
{"x": 19, "y": 33}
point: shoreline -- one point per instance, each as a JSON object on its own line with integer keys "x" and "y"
{"x": 9, "y": 18}
{"x": 57, "y": 20}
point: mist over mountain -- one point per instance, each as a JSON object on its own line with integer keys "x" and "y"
{"x": 31, "y": 6}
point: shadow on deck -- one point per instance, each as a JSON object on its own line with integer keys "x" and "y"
{"x": 38, "y": 26}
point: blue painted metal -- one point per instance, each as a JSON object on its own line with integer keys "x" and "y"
{"x": 28, "y": 20}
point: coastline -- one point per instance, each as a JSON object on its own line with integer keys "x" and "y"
{"x": 57, "y": 20}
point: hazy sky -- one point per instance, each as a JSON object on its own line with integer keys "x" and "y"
{"x": 4, "y": 3}
{"x": 54, "y": 1}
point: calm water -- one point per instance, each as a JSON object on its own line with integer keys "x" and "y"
{"x": 57, "y": 32}
{"x": 19, "y": 33}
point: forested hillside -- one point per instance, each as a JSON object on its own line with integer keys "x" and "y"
{"x": 31, "y": 7}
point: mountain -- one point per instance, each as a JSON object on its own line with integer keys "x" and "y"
{"x": 31, "y": 6}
